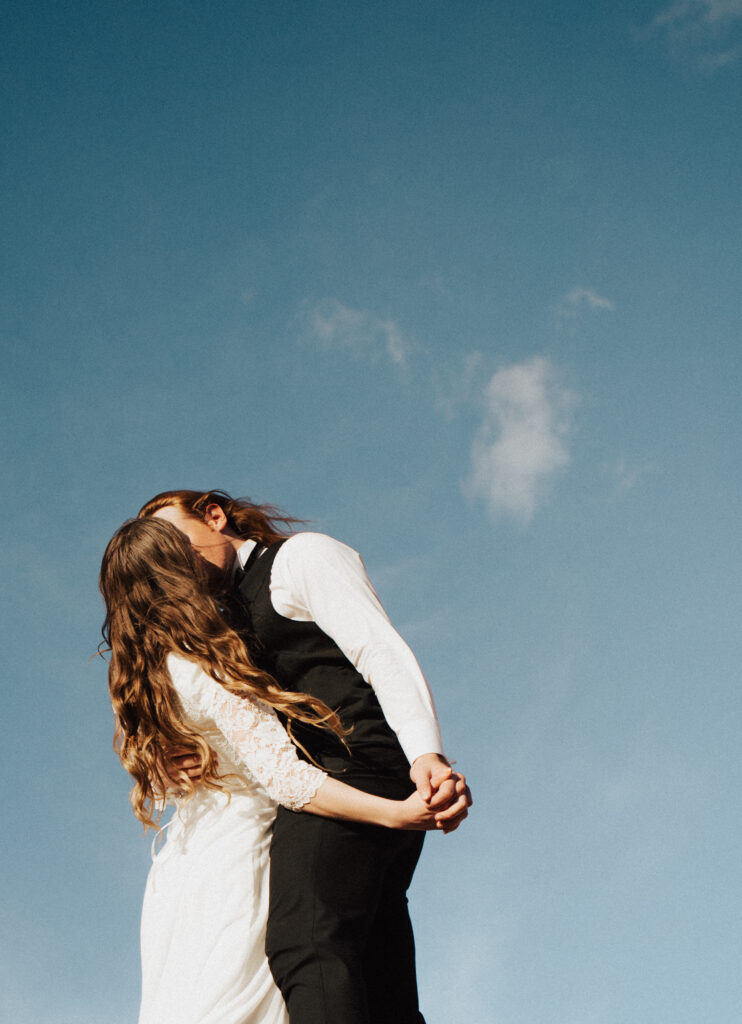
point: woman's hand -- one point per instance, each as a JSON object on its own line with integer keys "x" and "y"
{"x": 415, "y": 813}
{"x": 412, "y": 813}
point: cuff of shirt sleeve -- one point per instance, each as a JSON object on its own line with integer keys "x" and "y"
{"x": 418, "y": 738}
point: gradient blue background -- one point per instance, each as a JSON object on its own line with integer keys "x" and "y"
{"x": 458, "y": 282}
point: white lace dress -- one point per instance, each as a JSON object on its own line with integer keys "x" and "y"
{"x": 206, "y": 902}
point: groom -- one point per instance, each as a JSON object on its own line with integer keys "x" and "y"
{"x": 339, "y": 938}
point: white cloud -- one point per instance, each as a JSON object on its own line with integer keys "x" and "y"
{"x": 704, "y": 24}
{"x": 335, "y": 325}
{"x": 581, "y": 299}
{"x": 523, "y": 439}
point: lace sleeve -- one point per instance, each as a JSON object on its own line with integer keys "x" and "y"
{"x": 257, "y": 741}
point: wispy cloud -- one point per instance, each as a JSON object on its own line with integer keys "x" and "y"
{"x": 711, "y": 62}
{"x": 704, "y": 29}
{"x": 580, "y": 300}
{"x": 456, "y": 387}
{"x": 627, "y": 475}
{"x": 335, "y": 325}
{"x": 711, "y": 12}
{"x": 522, "y": 442}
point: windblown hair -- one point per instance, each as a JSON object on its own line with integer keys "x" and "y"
{"x": 263, "y": 523}
{"x": 157, "y": 602}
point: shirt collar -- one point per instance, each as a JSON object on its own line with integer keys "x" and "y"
{"x": 243, "y": 553}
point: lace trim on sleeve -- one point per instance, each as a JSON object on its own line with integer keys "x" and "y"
{"x": 258, "y": 741}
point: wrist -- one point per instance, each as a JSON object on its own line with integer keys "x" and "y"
{"x": 393, "y": 814}
{"x": 431, "y": 757}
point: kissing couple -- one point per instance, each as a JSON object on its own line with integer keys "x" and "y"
{"x": 260, "y": 688}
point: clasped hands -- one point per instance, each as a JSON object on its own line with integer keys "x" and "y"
{"x": 443, "y": 790}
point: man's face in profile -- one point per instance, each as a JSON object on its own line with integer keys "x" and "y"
{"x": 212, "y": 540}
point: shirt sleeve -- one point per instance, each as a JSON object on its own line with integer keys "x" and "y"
{"x": 254, "y": 737}
{"x": 316, "y": 578}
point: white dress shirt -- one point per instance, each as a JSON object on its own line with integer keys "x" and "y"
{"x": 315, "y": 578}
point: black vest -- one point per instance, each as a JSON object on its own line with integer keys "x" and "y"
{"x": 302, "y": 658}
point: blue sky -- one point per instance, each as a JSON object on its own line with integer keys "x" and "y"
{"x": 458, "y": 282}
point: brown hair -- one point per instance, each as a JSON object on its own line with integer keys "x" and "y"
{"x": 263, "y": 523}
{"x": 157, "y": 602}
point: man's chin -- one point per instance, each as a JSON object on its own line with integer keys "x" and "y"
{"x": 216, "y": 577}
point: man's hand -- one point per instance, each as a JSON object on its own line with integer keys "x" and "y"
{"x": 429, "y": 772}
{"x": 443, "y": 790}
{"x": 177, "y": 760}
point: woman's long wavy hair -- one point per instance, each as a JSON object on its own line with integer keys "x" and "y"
{"x": 263, "y": 523}
{"x": 157, "y": 602}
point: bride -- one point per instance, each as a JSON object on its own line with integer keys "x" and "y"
{"x": 180, "y": 677}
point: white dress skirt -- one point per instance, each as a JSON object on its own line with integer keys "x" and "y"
{"x": 206, "y": 900}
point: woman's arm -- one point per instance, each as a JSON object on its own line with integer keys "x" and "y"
{"x": 335, "y": 799}
{"x": 256, "y": 740}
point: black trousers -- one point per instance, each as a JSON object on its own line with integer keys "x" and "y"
{"x": 339, "y": 938}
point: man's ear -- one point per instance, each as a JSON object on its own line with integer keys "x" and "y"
{"x": 215, "y": 517}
